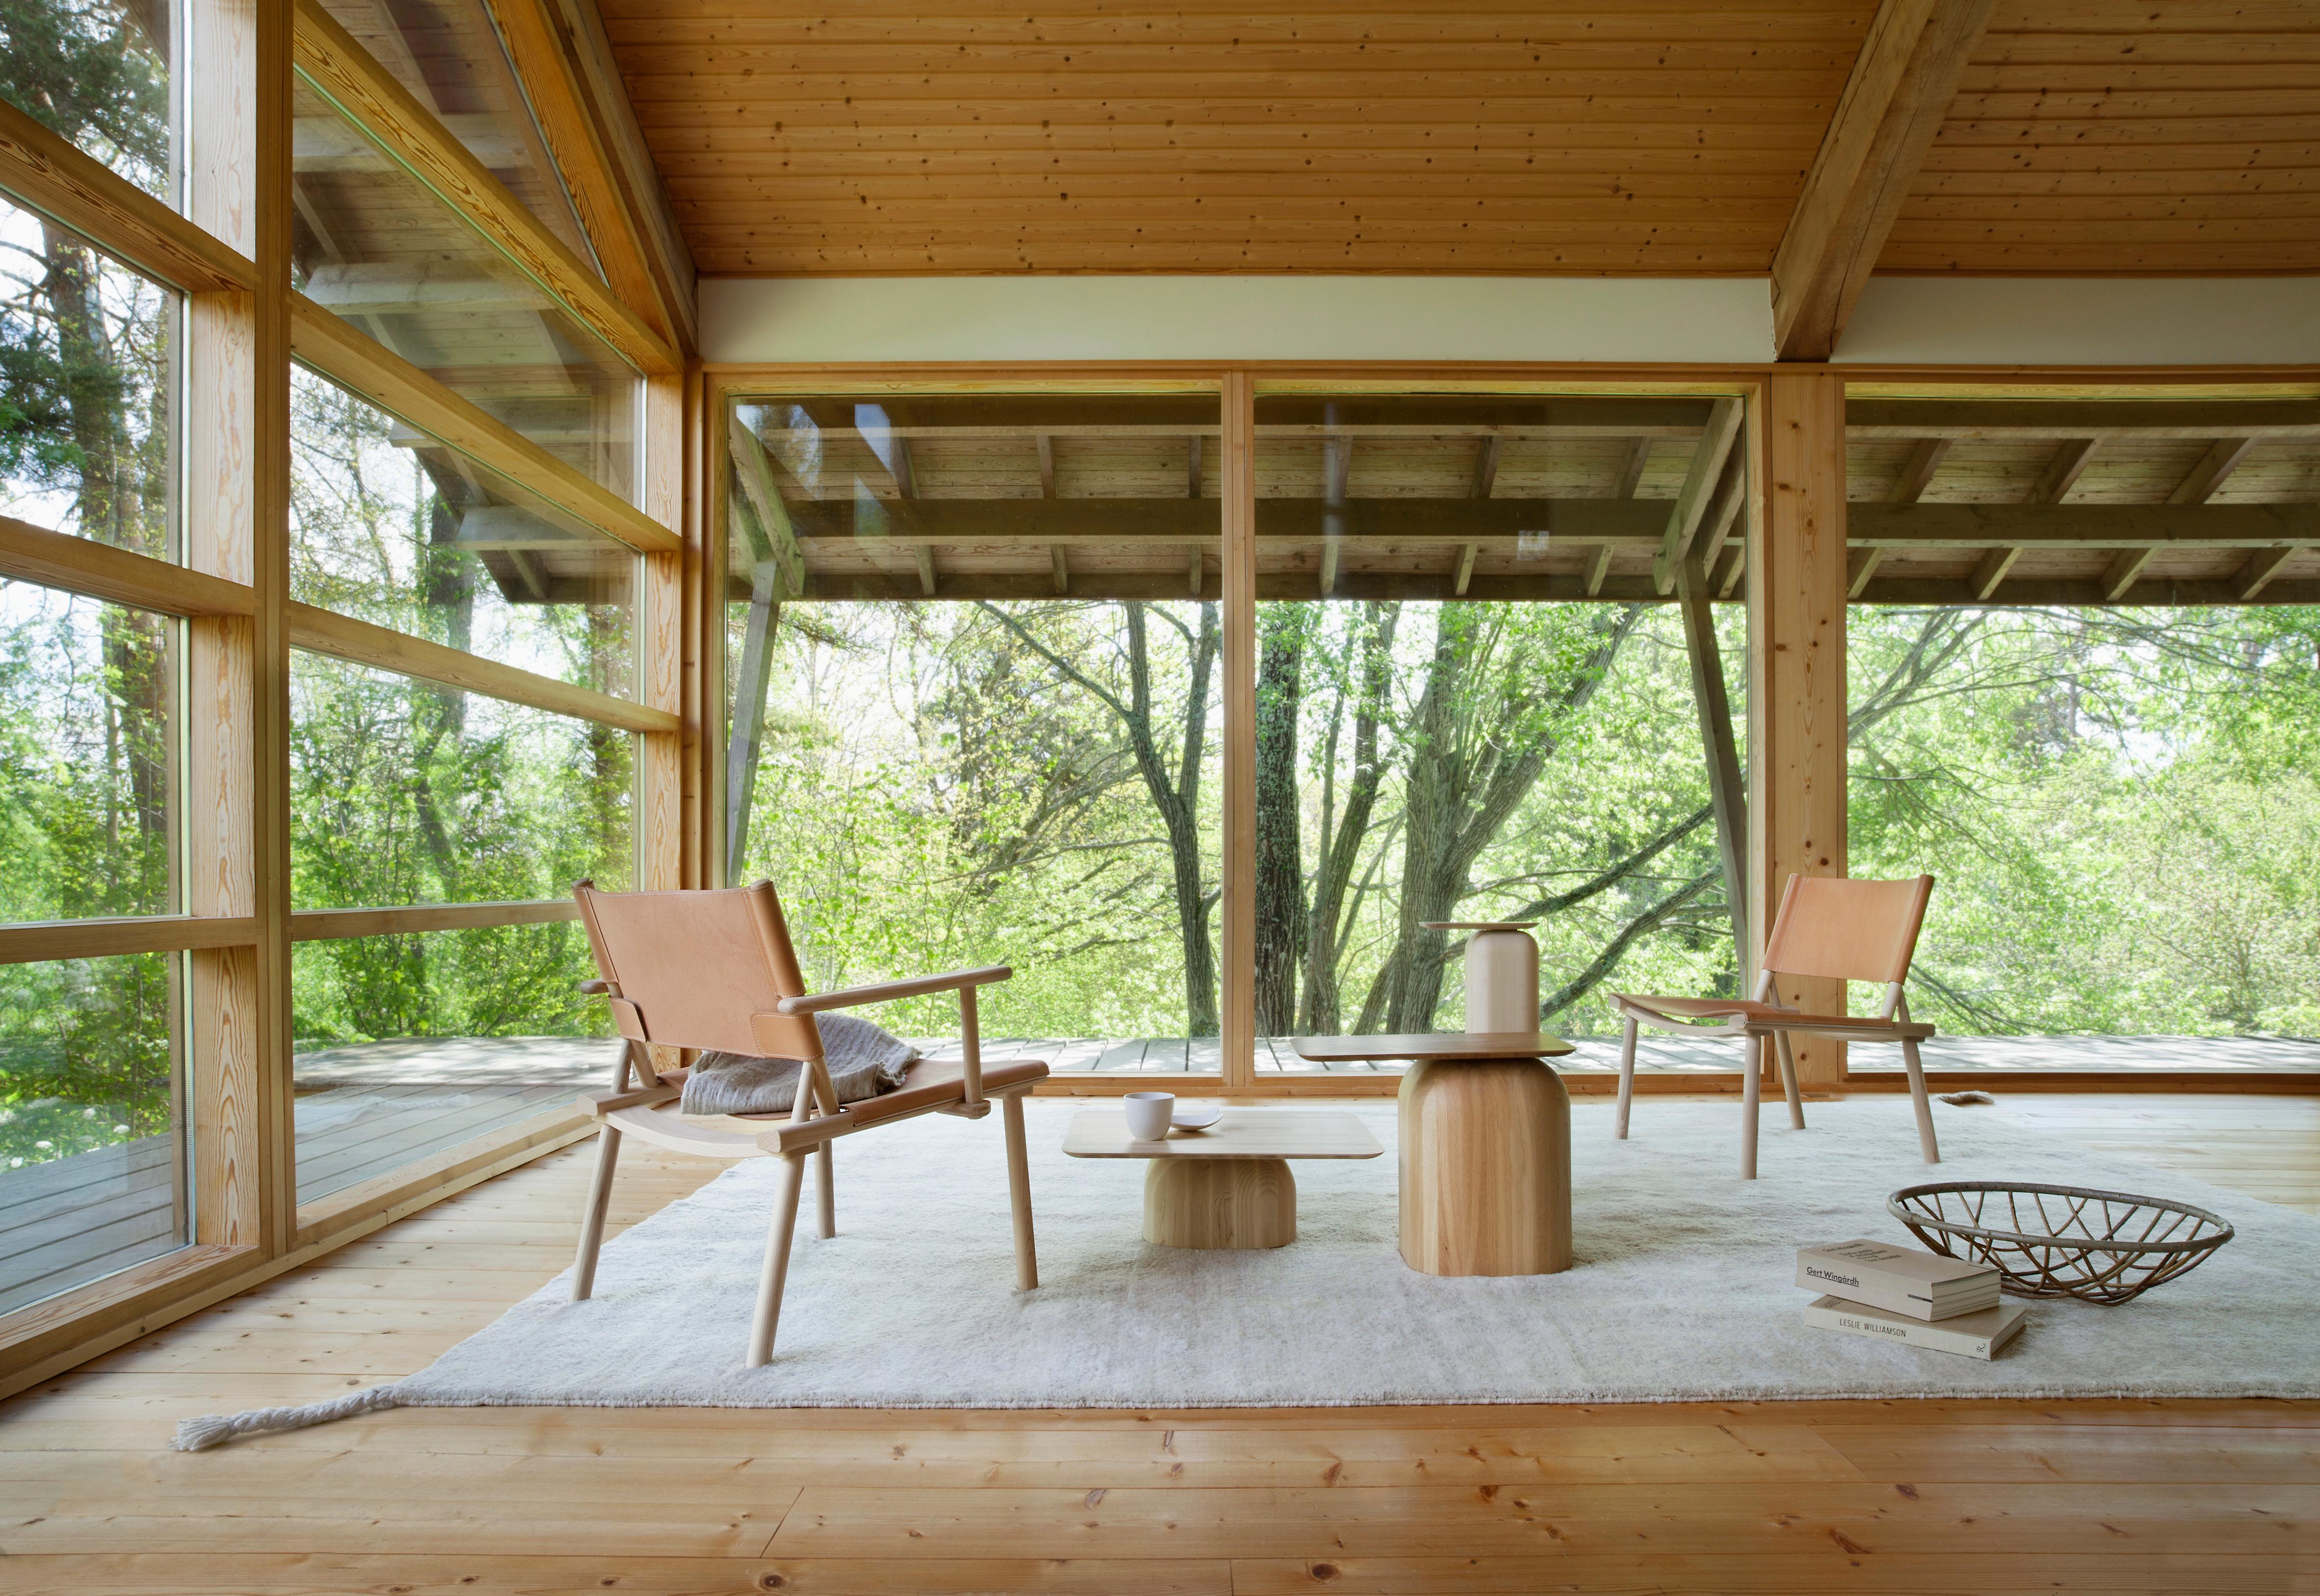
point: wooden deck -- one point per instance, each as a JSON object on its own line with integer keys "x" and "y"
{"x": 1927, "y": 1496}
{"x": 368, "y": 1109}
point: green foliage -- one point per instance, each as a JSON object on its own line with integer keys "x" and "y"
{"x": 97, "y": 72}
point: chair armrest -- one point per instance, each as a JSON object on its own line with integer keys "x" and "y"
{"x": 595, "y": 988}
{"x": 884, "y": 992}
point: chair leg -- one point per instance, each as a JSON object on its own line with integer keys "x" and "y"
{"x": 1926, "y": 1142}
{"x": 1626, "y": 1079}
{"x": 1748, "y": 1090}
{"x": 592, "y": 1217}
{"x": 1788, "y": 1058}
{"x": 825, "y": 1191}
{"x": 782, "y": 1231}
{"x": 1018, "y": 1194}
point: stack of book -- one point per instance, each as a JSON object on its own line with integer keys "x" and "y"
{"x": 1897, "y": 1294}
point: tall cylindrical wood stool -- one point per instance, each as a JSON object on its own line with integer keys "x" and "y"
{"x": 1485, "y": 1168}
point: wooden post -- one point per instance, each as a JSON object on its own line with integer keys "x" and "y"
{"x": 1236, "y": 488}
{"x": 661, "y": 833}
{"x": 236, "y": 526}
{"x": 1795, "y": 671}
{"x": 1726, "y": 793}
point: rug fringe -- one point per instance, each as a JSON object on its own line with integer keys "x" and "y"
{"x": 199, "y": 1435}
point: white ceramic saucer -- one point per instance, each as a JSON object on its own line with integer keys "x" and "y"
{"x": 1196, "y": 1116}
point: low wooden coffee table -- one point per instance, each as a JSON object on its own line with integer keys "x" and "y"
{"x": 1485, "y": 1132}
{"x": 1230, "y": 1185}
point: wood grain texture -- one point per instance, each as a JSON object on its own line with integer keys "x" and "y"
{"x": 30, "y": 553}
{"x": 576, "y": 129}
{"x": 1213, "y": 1203}
{"x": 49, "y": 173}
{"x": 2109, "y": 138}
{"x": 1237, "y": 491}
{"x": 1797, "y": 581}
{"x": 1885, "y": 124}
{"x": 1485, "y": 1169}
{"x": 1990, "y": 1496}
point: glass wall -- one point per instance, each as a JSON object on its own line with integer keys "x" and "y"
{"x": 87, "y": 434}
{"x": 390, "y": 526}
{"x": 93, "y": 1168}
{"x": 412, "y": 1043}
{"x": 1450, "y": 730}
{"x": 977, "y": 713}
{"x": 376, "y": 247}
{"x": 88, "y": 756}
{"x": 102, "y": 75}
{"x": 2102, "y": 756}
{"x": 449, "y": 54}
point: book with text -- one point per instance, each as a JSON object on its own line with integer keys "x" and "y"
{"x": 1970, "y": 1335}
{"x": 1925, "y": 1286}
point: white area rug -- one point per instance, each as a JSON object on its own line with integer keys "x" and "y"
{"x": 1682, "y": 1288}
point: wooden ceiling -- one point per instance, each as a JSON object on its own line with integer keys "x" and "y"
{"x": 1650, "y": 137}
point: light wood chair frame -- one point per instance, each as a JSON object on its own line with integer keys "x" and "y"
{"x": 1752, "y": 1025}
{"x": 647, "y": 1109}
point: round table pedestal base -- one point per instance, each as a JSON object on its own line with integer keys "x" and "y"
{"x": 1219, "y": 1202}
{"x": 1485, "y": 1169}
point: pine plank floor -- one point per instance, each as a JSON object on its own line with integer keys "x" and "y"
{"x": 1984, "y": 1497}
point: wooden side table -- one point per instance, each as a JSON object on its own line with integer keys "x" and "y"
{"x": 1230, "y": 1185}
{"x": 1485, "y": 1132}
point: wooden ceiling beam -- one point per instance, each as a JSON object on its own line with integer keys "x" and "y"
{"x": 1606, "y": 523}
{"x": 2083, "y": 526}
{"x": 2263, "y": 565}
{"x": 1698, "y": 483}
{"x": 2223, "y": 457}
{"x": 2101, "y": 419}
{"x": 1094, "y": 522}
{"x": 595, "y": 145}
{"x": 2063, "y": 472}
{"x": 1884, "y": 126}
{"x": 1990, "y": 572}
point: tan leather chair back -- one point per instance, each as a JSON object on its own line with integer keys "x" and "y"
{"x": 700, "y": 969}
{"x": 1852, "y": 930}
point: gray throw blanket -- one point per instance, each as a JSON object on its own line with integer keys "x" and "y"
{"x": 864, "y": 1060}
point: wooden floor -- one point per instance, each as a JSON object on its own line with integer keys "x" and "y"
{"x": 1982, "y": 1497}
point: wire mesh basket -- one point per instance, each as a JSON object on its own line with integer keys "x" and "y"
{"x": 2062, "y": 1241}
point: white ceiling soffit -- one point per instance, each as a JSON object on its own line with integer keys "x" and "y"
{"x": 1899, "y": 321}
{"x": 2085, "y": 321}
{"x": 1236, "y": 318}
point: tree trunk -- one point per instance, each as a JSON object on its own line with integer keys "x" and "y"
{"x": 1281, "y": 913}
{"x": 1476, "y": 750}
{"x": 1373, "y": 639}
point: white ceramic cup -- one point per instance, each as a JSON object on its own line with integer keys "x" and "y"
{"x": 1149, "y": 1114}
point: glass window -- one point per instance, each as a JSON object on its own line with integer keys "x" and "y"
{"x": 93, "y": 1171}
{"x": 88, "y": 354}
{"x": 392, "y": 527}
{"x": 88, "y": 756}
{"x": 991, "y": 730}
{"x": 1447, "y": 728}
{"x": 403, "y": 792}
{"x": 408, "y": 1045}
{"x": 374, "y": 245}
{"x": 98, "y": 72}
{"x": 450, "y": 57}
